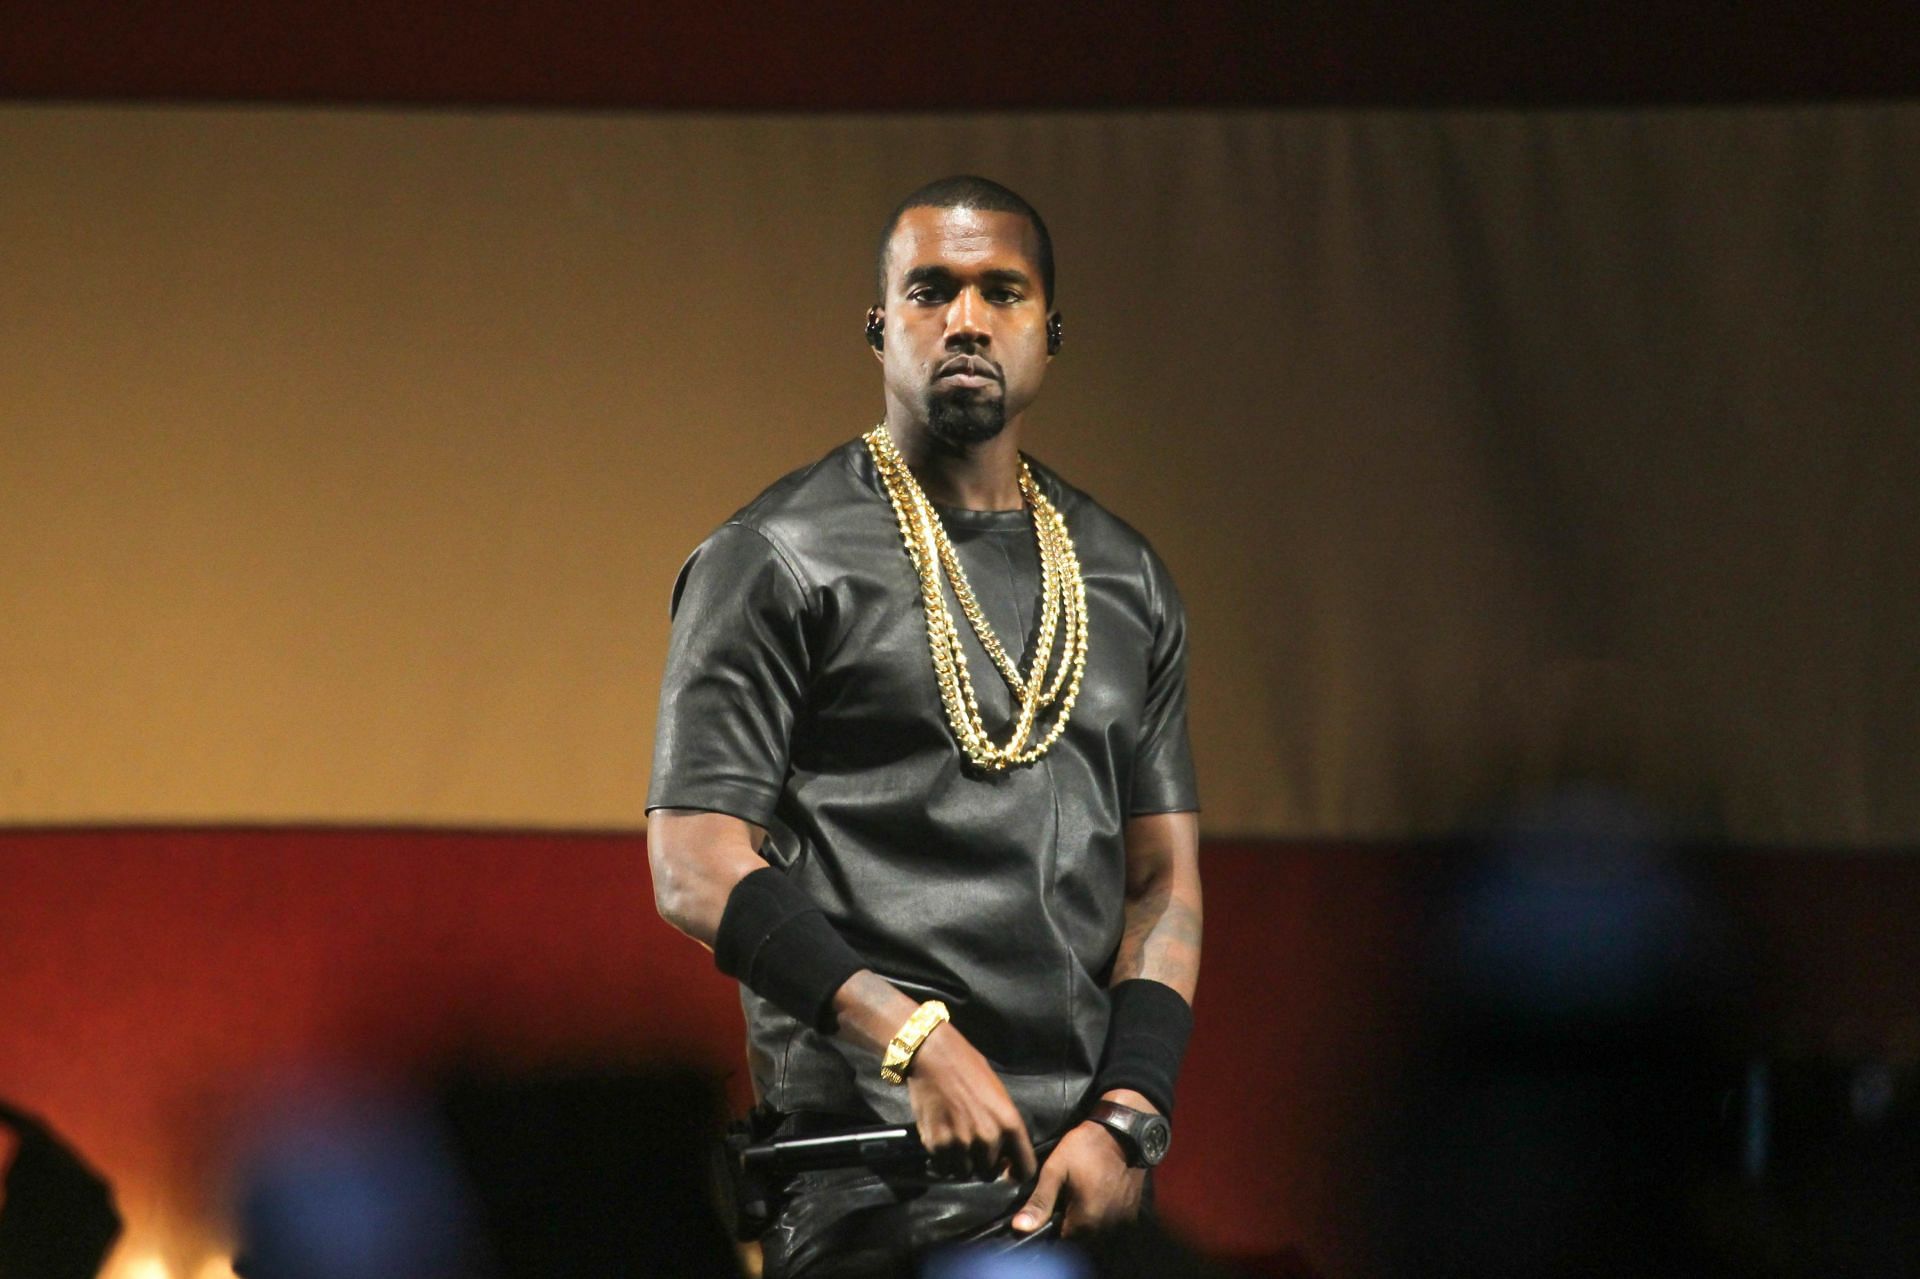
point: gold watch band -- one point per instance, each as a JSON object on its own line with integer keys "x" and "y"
{"x": 907, "y": 1040}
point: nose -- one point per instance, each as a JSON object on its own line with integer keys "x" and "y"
{"x": 967, "y": 320}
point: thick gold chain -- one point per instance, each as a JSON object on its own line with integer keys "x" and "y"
{"x": 1063, "y": 614}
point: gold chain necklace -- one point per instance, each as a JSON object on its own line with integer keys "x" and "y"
{"x": 1063, "y": 612}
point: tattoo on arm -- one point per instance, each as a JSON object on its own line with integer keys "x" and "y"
{"x": 1161, "y": 939}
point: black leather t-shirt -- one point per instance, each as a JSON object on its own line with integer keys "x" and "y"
{"x": 799, "y": 696}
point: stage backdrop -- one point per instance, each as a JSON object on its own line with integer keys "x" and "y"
{"x": 349, "y": 456}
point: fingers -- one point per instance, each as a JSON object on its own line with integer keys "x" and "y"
{"x": 1001, "y": 1152}
{"x": 1040, "y": 1204}
{"x": 1024, "y": 1163}
{"x": 1080, "y": 1216}
{"x": 1009, "y": 1148}
{"x": 1084, "y": 1183}
{"x": 957, "y": 1150}
{"x": 949, "y": 1161}
{"x": 967, "y": 1122}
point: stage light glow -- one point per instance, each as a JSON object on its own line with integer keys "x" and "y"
{"x": 148, "y": 1267}
{"x": 215, "y": 1268}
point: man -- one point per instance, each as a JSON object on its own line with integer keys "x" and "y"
{"x": 922, "y": 780}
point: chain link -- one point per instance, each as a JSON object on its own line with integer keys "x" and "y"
{"x": 1063, "y": 615}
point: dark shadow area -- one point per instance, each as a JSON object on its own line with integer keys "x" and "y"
{"x": 593, "y": 1174}
{"x": 547, "y": 1175}
{"x": 1593, "y": 1088}
{"x": 1569, "y": 1102}
{"x": 58, "y": 1219}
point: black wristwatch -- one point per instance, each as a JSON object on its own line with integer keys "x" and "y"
{"x": 1145, "y": 1137}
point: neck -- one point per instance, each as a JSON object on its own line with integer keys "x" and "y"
{"x": 975, "y": 477}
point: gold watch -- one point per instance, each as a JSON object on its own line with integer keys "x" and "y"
{"x": 907, "y": 1040}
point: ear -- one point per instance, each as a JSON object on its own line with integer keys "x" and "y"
{"x": 876, "y": 331}
{"x": 1056, "y": 334}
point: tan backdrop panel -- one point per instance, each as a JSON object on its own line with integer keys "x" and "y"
{"x": 348, "y": 457}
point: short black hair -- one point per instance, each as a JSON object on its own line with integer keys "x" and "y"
{"x": 967, "y": 191}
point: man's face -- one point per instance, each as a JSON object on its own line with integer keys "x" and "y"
{"x": 966, "y": 320}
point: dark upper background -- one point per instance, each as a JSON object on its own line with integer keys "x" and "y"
{"x": 616, "y": 54}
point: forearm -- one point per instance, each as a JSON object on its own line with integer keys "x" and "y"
{"x": 871, "y": 1010}
{"x": 698, "y": 859}
{"x": 1160, "y": 936}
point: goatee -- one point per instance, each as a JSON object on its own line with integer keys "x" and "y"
{"x": 960, "y": 421}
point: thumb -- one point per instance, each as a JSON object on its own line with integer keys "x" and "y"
{"x": 1039, "y": 1206}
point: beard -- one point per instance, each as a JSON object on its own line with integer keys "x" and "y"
{"x": 965, "y": 418}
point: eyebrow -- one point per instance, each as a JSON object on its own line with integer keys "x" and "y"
{"x": 941, "y": 275}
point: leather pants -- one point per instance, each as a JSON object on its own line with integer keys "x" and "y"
{"x": 851, "y": 1223}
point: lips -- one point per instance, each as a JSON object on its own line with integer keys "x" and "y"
{"x": 972, "y": 370}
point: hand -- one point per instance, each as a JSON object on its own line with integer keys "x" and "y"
{"x": 967, "y": 1121}
{"x": 1088, "y": 1173}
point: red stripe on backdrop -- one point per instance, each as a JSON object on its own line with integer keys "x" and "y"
{"x": 157, "y": 981}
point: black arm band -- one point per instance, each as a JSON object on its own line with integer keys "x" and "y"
{"x": 1146, "y": 1038}
{"x": 775, "y": 941}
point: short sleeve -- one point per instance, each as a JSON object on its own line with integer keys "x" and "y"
{"x": 736, "y": 673}
{"x": 1163, "y": 780}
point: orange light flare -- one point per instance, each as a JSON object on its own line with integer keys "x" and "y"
{"x": 143, "y": 1261}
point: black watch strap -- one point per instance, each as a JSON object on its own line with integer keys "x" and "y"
{"x": 1144, "y": 1136}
